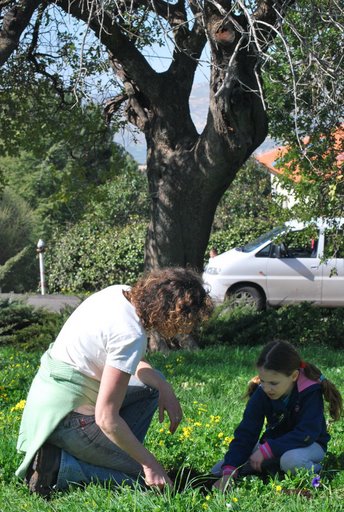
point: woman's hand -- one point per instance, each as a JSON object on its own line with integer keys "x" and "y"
{"x": 225, "y": 483}
{"x": 156, "y": 476}
{"x": 256, "y": 460}
{"x": 169, "y": 402}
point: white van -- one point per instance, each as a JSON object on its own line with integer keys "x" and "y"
{"x": 292, "y": 263}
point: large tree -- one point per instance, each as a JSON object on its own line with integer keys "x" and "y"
{"x": 187, "y": 172}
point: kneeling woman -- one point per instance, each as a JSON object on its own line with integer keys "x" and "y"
{"x": 91, "y": 403}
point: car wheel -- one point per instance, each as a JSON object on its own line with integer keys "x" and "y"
{"x": 246, "y": 296}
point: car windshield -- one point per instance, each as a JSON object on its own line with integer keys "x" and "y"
{"x": 251, "y": 246}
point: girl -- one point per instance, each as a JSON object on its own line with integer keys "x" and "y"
{"x": 288, "y": 393}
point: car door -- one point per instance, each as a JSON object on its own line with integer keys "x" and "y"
{"x": 333, "y": 268}
{"x": 294, "y": 272}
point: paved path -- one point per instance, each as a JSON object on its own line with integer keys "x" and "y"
{"x": 50, "y": 302}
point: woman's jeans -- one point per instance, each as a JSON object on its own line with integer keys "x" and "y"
{"x": 308, "y": 458}
{"x": 89, "y": 455}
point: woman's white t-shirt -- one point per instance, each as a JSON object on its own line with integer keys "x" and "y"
{"x": 103, "y": 330}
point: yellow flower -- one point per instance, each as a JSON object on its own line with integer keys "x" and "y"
{"x": 220, "y": 435}
{"x": 187, "y": 431}
{"x": 19, "y": 406}
{"x": 235, "y": 499}
{"x": 278, "y": 488}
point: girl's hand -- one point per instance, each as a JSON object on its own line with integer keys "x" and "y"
{"x": 256, "y": 460}
{"x": 156, "y": 476}
{"x": 225, "y": 483}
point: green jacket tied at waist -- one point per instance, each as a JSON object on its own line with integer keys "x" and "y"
{"x": 56, "y": 390}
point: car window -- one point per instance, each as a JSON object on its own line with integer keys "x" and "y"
{"x": 299, "y": 244}
{"x": 251, "y": 246}
{"x": 265, "y": 252}
{"x": 334, "y": 243}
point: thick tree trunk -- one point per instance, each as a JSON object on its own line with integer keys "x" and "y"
{"x": 188, "y": 173}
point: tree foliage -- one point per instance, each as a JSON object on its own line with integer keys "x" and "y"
{"x": 306, "y": 98}
{"x": 18, "y": 231}
{"x": 67, "y": 163}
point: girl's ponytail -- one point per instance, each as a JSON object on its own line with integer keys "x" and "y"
{"x": 252, "y": 386}
{"x": 329, "y": 390}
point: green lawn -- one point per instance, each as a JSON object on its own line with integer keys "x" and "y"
{"x": 210, "y": 384}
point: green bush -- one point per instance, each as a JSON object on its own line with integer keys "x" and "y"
{"x": 27, "y": 327}
{"x": 88, "y": 257}
{"x": 300, "y": 324}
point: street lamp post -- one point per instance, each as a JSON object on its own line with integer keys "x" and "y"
{"x": 40, "y": 250}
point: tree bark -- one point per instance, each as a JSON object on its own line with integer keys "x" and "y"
{"x": 14, "y": 23}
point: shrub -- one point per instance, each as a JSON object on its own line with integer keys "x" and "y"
{"x": 27, "y": 327}
{"x": 300, "y": 324}
{"x": 88, "y": 258}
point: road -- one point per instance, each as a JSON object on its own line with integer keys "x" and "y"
{"x": 50, "y": 302}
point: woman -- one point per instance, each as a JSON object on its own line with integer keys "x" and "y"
{"x": 94, "y": 394}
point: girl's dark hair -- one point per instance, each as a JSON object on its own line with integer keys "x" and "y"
{"x": 174, "y": 298}
{"x": 281, "y": 356}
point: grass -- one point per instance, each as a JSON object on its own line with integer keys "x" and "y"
{"x": 210, "y": 384}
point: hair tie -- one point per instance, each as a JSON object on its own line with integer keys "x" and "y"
{"x": 303, "y": 364}
{"x": 322, "y": 378}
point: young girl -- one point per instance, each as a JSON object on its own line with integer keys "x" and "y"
{"x": 288, "y": 393}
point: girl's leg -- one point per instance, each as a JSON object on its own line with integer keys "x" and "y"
{"x": 216, "y": 470}
{"x": 79, "y": 435}
{"x": 308, "y": 458}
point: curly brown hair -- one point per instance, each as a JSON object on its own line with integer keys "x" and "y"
{"x": 171, "y": 300}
